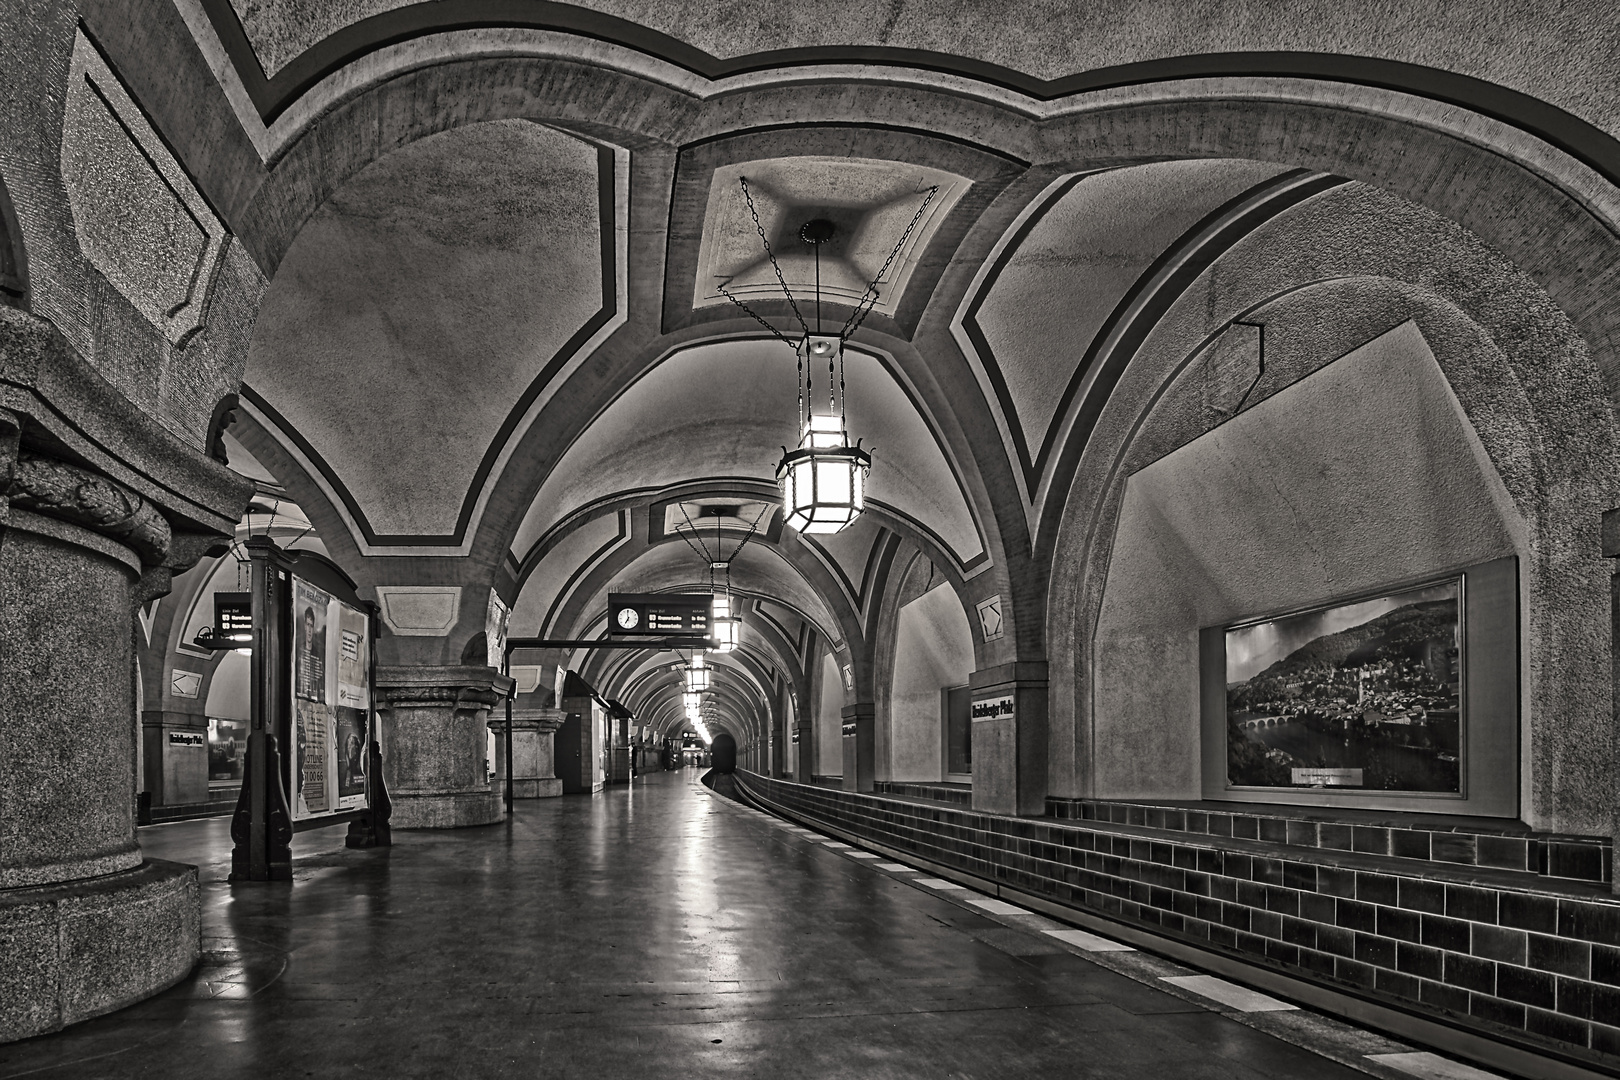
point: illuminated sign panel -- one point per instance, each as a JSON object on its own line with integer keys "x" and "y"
{"x": 659, "y": 614}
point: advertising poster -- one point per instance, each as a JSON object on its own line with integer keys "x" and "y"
{"x": 353, "y": 657}
{"x": 310, "y": 614}
{"x": 227, "y": 749}
{"x": 312, "y": 720}
{"x": 350, "y": 758}
{"x": 1361, "y": 696}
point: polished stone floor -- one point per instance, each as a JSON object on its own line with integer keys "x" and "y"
{"x": 649, "y": 931}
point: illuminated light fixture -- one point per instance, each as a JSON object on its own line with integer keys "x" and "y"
{"x": 692, "y": 700}
{"x": 697, "y": 674}
{"x": 724, "y": 627}
{"x": 823, "y": 480}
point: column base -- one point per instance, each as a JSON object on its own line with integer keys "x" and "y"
{"x": 84, "y": 948}
{"x": 547, "y": 788}
{"x": 445, "y": 810}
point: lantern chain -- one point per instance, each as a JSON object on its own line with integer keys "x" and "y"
{"x": 870, "y": 298}
{"x": 771, "y": 255}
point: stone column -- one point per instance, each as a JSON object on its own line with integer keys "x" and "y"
{"x": 1611, "y": 550}
{"x": 433, "y": 725}
{"x": 534, "y": 772}
{"x": 805, "y": 753}
{"x": 88, "y": 925}
{"x": 1008, "y": 728}
{"x": 860, "y": 745}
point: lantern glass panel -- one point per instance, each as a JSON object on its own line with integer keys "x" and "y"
{"x": 832, "y": 482}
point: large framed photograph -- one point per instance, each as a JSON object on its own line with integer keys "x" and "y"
{"x": 1405, "y": 697}
{"x": 1364, "y": 695}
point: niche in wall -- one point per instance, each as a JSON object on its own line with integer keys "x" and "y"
{"x": 1358, "y": 481}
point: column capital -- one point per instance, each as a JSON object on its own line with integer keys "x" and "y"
{"x": 458, "y": 687}
{"x": 538, "y": 719}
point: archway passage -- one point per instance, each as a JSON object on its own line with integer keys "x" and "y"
{"x": 1239, "y": 395}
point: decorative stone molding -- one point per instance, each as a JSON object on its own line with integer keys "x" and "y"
{"x": 138, "y": 217}
{"x": 404, "y": 687}
{"x": 57, "y": 489}
{"x": 419, "y": 610}
{"x": 543, "y": 720}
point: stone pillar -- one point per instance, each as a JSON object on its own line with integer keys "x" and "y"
{"x": 1009, "y": 739}
{"x": 534, "y": 772}
{"x": 805, "y": 756}
{"x": 860, "y": 745}
{"x": 88, "y": 925}
{"x": 433, "y": 724}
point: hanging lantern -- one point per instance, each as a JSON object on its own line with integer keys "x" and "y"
{"x": 724, "y": 627}
{"x": 823, "y": 481}
{"x": 692, "y": 700}
{"x": 697, "y": 675}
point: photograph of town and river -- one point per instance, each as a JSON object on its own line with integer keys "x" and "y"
{"x": 1361, "y": 696}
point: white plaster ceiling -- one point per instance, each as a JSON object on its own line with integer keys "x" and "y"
{"x": 545, "y": 582}
{"x": 421, "y": 301}
{"x": 1079, "y": 259}
{"x": 869, "y": 202}
{"x": 726, "y": 409}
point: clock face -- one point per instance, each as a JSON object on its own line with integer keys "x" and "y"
{"x": 628, "y": 618}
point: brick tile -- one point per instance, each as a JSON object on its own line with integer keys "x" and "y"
{"x": 1466, "y": 902}
{"x": 1505, "y": 852}
{"x": 1333, "y": 835}
{"x": 1507, "y": 1013}
{"x": 1419, "y": 960}
{"x": 1605, "y": 1003}
{"x": 1354, "y": 972}
{"x": 1589, "y": 921}
{"x": 1397, "y": 923}
{"x": 1452, "y": 848}
{"x": 1499, "y": 943}
{"x": 1443, "y": 933}
{"x": 1574, "y": 997}
{"x": 1283, "y": 953}
{"x": 1560, "y": 955}
{"x": 1355, "y": 915}
{"x": 1396, "y": 984}
{"x": 1222, "y": 935}
{"x": 1526, "y": 985}
{"x": 1333, "y": 881}
{"x": 1336, "y": 940}
{"x": 1219, "y": 825}
{"x": 1284, "y": 901}
{"x": 1319, "y": 908}
{"x": 1245, "y": 827}
{"x": 1528, "y": 911}
{"x": 1251, "y": 894}
{"x": 1376, "y": 888}
{"x": 1299, "y": 876}
{"x": 1419, "y": 895}
{"x": 1551, "y": 1025}
{"x": 1606, "y": 1039}
{"x": 1302, "y": 833}
{"x": 1371, "y": 839}
{"x": 1268, "y": 871}
{"x": 1375, "y": 950}
{"x": 1471, "y": 973}
{"x": 1253, "y": 944}
{"x": 1445, "y": 998}
{"x": 1409, "y": 843}
{"x": 1236, "y": 916}
{"x": 1320, "y": 963}
{"x": 1299, "y": 932}
{"x": 1606, "y": 964}
{"x": 1582, "y": 861}
{"x": 1266, "y": 923}
{"x": 1273, "y": 830}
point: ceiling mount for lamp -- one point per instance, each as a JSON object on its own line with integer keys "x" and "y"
{"x": 823, "y": 480}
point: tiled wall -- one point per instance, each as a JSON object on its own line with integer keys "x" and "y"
{"x": 954, "y": 794}
{"x": 1582, "y": 858}
{"x": 1508, "y": 953}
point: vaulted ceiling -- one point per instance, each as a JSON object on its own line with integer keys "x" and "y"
{"x": 496, "y": 349}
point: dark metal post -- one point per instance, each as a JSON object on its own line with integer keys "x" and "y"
{"x": 511, "y": 692}
{"x": 261, "y": 828}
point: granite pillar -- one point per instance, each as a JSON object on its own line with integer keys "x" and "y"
{"x": 534, "y": 772}
{"x": 1008, "y": 730}
{"x": 860, "y": 745}
{"x": 87, "y": 925}
{"x": 434, "y": 722}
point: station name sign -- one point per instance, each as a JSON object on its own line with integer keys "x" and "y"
{"x": 996, "y": 708}
{"x": 659, "y": 614}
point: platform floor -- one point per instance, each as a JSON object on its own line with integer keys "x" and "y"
{"x": 648, "y": 931}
